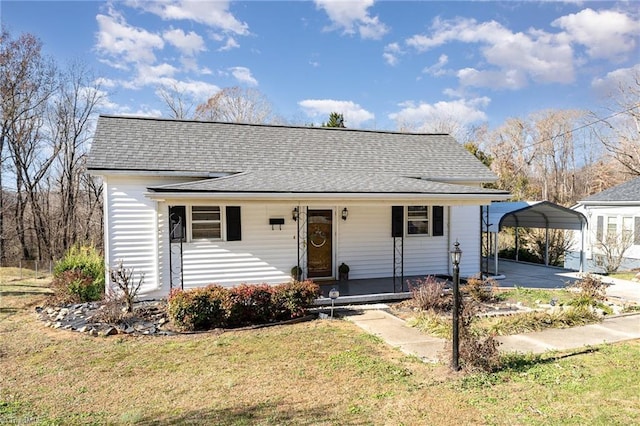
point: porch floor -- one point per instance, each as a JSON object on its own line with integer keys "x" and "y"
{"x": 367, "y": 286}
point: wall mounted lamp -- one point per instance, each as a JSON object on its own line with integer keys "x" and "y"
{"x": 294, "y": 214}
{"x": 345, "y": 213}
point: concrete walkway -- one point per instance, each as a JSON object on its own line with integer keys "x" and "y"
{"x": 411, "y": 341}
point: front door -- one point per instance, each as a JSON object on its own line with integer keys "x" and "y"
{"x": 319, "y": 244}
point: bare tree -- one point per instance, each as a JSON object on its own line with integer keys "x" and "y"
{"x": 179, "y": 102}
{"x": 619, "y": 132}
{"x": 237, "y": 105}
{"x": 27, "y": 83}
{"x": 71, "y": 123}
{"x": 612, "y": 248}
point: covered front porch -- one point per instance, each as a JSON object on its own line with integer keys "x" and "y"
{"x": 386, "y": 289}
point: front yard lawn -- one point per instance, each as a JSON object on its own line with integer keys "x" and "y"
{"x": 320, "y": 372}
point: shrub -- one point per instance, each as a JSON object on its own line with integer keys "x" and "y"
{"x": 480, "y": 290}
{"x": 76, "y": 286}
{"x": 215, "y": 306}
{"x": 476, "y": 353}
{"x": 126, "y": 288}
{"x": 590, "y": 288}
{"x": 428, "y": 294}
{"x": 79, "y": 275}
{"x": 199, "y": 308}
{"x": 250, "y": 304}
{"x": 84, "y": 258}
{"x": 291, "y": 299}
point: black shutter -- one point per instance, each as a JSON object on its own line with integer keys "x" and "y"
{"x": 234, "y": 229}
{"x": 438, "y": 221}
{"x": 397, "y": 221}
{"x": 636, "y": 231}
{"x": 599, "y": 228}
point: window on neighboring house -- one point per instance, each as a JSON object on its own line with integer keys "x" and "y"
{"x": 418, "y": 220}
{"x": 205, "y": 222}
{"x": 612, "y": 227}
{"x": 627, "y": 229}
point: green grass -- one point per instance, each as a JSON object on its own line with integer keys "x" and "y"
{"x": 314, "y": 373}
{"x": 623, "y": 275}
{"x": 530, "y": 296}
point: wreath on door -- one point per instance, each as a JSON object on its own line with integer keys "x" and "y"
{"x": 318, "y": 238}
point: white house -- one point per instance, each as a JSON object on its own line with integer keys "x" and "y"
{"x": 613, "y": 219}
{"x": 192, "y": 203}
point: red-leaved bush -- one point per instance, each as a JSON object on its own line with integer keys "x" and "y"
{"x": 215, "y": 306}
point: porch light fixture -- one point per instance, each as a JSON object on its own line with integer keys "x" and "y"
{"x": 456, "y": 255}
{"x": 345, "y": 213}
{"x": 294, "y": 214}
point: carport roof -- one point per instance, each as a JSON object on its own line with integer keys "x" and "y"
{"x": 533, "y": 214}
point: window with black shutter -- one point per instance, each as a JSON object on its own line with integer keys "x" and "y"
{"x": 234, "y": 228}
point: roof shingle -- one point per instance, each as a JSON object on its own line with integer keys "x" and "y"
{"x": 151, "y": 144}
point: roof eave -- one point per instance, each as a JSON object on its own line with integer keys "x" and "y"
{"x": 465, "y": 198}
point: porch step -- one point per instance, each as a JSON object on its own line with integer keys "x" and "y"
{"x": 364, "y": 298}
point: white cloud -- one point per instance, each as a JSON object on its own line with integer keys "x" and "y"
{"x": 516, "y": 57}
{"x": 391, "y": 53}
{"x": 354, "y": 114}
{"x": 230, "y": 44}
{"x": 214, "y": 14}
{"x": 188, "y": 44}
{"x": 606, "y": 34}
{"x": 243, "y": 75}
{"x": 501, "y": 79}
{"x": 352, "y": 16}
{"x": 445, "y": 116}
{"x": 437, "y": 69}
{"x": 611, "y": 83}
{"x": 124, "y": 42}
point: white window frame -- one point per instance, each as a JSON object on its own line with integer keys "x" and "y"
{"x": 218, "y": 221}
{"x": 428, "y": 219}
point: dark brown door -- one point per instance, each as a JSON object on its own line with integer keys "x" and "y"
{"x": 319, "y": 243}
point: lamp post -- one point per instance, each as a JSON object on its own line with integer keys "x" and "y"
{"x": 456, "y": 254}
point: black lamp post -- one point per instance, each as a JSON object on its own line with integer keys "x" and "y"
{"x": 456, "y": 254}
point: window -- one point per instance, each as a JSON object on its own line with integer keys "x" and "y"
{"x": 418, "y": 220}
{"x": 627, "y": 229}
{"x": 205, "y": 222}
{"x": 612, "y": 227}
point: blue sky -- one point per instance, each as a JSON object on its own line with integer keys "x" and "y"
{"x": 384, "y": 65}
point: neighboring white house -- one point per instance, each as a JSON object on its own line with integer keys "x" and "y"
{"x": 613, "y": 219}
{"x": 192, "y": 203}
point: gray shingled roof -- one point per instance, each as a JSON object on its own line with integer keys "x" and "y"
{"x": 151, "y": 144}
{"x": 321, "y": 182}
{"x": 628, "y": 191}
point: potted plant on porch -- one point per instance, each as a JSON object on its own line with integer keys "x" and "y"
{"x": 343, "y": 270}
{"x": 296, "y": 273}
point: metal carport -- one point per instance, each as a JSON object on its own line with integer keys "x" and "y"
{"x": 531, "y": 214}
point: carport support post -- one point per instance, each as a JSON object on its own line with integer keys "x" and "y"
{"x": 546, "y": 246}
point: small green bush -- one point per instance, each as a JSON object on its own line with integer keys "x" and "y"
{"x": 84, "y": 258}
{"x": 79, "y": 276}
{"x": 76, "y": 286}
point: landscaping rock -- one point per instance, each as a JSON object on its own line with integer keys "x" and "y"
{"x": 146, "y": 319}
